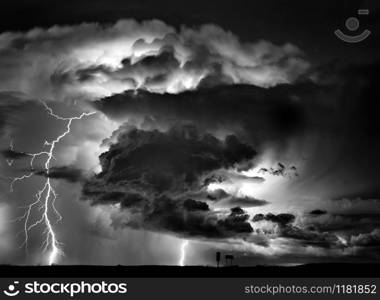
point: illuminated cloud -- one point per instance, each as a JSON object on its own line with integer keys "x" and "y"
{"x": 90, "y": 60}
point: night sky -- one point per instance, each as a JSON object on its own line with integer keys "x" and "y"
{"x": 159, "y": 132}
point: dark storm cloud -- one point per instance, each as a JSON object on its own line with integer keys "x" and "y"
{"x": 280, "y": 170}
{"x": 167, "y": 215}
{"x": 169, "y": 161}
{"x": 287, "y": 228}
{"x": 217, "y": 194}
{"x": 245, "y": 201}
{"x": 345, "y": 107}
{"x": 261, "y": 115}
{"x": 237, "y": 221}
{"x": 68, "y": 173}
{"x": 177, "y": 216}
{"x": 149, "y": 173}
{"x": 161, "y": 64}
{"x": 224, "y": 199}
{"x": 317, "y": 212}
{"x": 278, "y": 115}
{"x": 281, "y": 219}
{"x": 194, "y": 205}
{"x": 230, "y": 177}
{"x": 154, "y": 68}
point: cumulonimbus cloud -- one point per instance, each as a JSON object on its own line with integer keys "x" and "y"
{"x": 150, "y": 176}
{"x": 92, "y": 60}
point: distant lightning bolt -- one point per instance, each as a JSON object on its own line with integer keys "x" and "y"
{"x": 45, "y": 197}
{"x": 183, "y": 253}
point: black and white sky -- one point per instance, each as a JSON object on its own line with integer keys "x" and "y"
{"x": 159, "y": 132}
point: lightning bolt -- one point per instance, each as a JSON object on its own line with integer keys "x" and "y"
{"x": 183, "y": 253}
{"x": 46, "y": 197}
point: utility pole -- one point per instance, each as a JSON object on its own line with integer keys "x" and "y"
{"x": 217, "y": 259}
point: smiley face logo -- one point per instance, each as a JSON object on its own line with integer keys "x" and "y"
{"x": 12, "y": 291}
{"x": 352, "y": 24}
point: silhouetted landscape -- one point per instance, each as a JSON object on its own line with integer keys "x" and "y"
{"x": 309, "y": 270}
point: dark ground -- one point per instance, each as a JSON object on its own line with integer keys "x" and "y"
{"x": 311, "y": 270}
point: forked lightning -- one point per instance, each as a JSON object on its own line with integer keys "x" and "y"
{"x": 44, "y": 203}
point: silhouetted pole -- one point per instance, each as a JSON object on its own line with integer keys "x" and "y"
{"x": 217, "y": 259}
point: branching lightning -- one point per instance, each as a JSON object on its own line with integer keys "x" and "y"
{"x": 45, "y": 198}
{"x": 183, "y": 253}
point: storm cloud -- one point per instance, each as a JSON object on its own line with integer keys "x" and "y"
{"x": 150, "y": 173}
{"x": 335, "y": 112}
{"x": 262, "y": 116}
